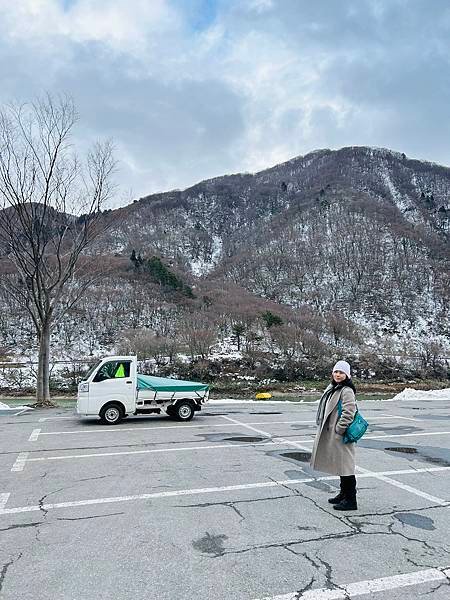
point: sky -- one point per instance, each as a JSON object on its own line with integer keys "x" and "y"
{"x": 193, "y": 89}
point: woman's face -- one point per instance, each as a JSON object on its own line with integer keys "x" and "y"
{"x": 339, "y": 376}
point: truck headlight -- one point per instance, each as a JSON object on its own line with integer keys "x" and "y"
{"x": 83, "y": 387}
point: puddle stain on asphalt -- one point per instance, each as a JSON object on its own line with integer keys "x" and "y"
{"x": 322, "y": 486}
{"x": 415, "y": 520}
{"x": 300, "y": 426}
{"x": 231, "y": 437}
{"x": 318, "y": 485}
{"x": 245, "y": 438}
{"x": 300, "y": 456}
{"x": 210, "y": 544}
{"x": 428, "y": 454}
{"x": 435, "y": 460}
{"x": 291, "y": 474}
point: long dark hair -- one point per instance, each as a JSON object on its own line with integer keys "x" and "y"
{"x": 347, "y": 382}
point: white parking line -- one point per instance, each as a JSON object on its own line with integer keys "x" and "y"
{"x": 266, "y": 434}
{"x": 38, "y": 433}
{"x": 403, "y": 486}
{"x": 210, "y": 490}
{"x": 396, "y": 435}
{"x": 34, "y": 435}
{"x": 392, "y": 436}
{"x": 20, "y": 462}
{"x": 154, "y": 451}
{"x": 4, "y": 497}
{"x": 370, "y": 586}
{"x": 394, "y": 417}
{"x": 42, "y": 419}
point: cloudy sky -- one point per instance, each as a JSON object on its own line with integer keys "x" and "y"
{"x": 191, "y": 89}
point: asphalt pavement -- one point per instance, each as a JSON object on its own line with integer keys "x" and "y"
{"x": 224, "y": 507}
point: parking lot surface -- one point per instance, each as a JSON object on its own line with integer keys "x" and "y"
{"x": 224, "y": 507}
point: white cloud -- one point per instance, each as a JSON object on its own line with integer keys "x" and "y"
{"x": 115, "y": 23}
{"x": 257, "y": 82}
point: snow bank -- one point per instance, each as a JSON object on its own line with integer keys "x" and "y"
{"x": 412, "y": 394}
{"x": 7, "y": 410}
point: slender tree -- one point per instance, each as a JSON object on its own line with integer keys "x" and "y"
{"x": 50, "y": 214}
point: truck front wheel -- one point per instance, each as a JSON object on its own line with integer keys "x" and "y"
{"x": 183, "y": 411}
{"x": 111, "y": 414}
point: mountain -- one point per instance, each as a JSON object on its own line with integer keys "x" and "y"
{"x": 350, "y": 248}
{"x": 201, "y": 225}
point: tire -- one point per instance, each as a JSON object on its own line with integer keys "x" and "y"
{"x": 169, "y": 411}
{"x": 183, "y": 411}
{"x": 111, "y": 414}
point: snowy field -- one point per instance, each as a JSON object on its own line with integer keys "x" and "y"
{"x": 223, "y": 507}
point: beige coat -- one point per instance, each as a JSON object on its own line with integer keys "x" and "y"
{"x": 330, "y": 454}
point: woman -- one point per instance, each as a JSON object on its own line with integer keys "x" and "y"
{"x": 329, "y": 453}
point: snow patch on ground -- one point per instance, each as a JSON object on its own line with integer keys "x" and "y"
{"x": 412, "y": 394}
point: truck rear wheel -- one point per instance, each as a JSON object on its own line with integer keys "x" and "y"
{"x": 183, "y": 411}
{"x": 111, "y": 414}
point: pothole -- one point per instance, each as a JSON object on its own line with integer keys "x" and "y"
{"x": 300, "y": 456}
{"x": 245, "y": 438}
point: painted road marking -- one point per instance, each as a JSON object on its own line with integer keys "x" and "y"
{"x": 407, "y": 488}
{"x": 210, "y": 490}
{"x": 4, "y": 497}
{"x": 40, "y": 433}
{"x": 392, "y": 436}
{"x": 394, "y": 417}
{"x": 153, "y": 451}
{"x": 379, "y": 437}
{"x": 273, "y": 440}
{"x": 34, "y": 435}
{"x": 403, "y": 486}
{"x": 370, "y": 586}
{"x": 42, "y": 419}
{"x": 266, "y": 434}
{"x": 20, "y": 462}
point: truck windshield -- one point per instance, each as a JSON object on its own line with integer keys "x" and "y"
{"x": 91, "y": 370}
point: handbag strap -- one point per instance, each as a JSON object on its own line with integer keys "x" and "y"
{"x": 339, "y": 406}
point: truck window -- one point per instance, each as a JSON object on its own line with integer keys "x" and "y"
{"x": 113, "y": 370}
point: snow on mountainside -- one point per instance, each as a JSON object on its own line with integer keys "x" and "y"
{"x": 349, "y": 248}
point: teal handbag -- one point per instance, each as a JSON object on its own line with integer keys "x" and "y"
{"x": 357, "y": 427}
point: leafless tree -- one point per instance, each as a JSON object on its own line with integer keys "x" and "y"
{"x": 51, "y": 212}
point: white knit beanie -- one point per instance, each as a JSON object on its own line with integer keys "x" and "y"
{"x": 342, "y": 365}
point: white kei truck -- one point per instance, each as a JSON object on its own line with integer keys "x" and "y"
{"x": 113, "y": 389}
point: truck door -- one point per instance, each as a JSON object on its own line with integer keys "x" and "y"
{"x": 113, "y": 382}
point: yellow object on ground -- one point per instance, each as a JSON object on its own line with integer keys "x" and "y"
{"x": 263, "y": 395}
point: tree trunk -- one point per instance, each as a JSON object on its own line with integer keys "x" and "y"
{"x": 43, "y": 376}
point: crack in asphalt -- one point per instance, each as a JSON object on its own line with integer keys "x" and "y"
{"x": 331, "y": 536}
{"x": 304, "y": 589}
{"x": 6, "y": 567}
{"x": 208, "y": 504}
{"x": 22, "y": 526}
{"x": 90, "y": 517}
{"x": 317, "y": 505}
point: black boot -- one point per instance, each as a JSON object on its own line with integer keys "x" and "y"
{"x": 337, "y": 499}
{"x": 348, "y": 502}
{"x": 341, "y": 495}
